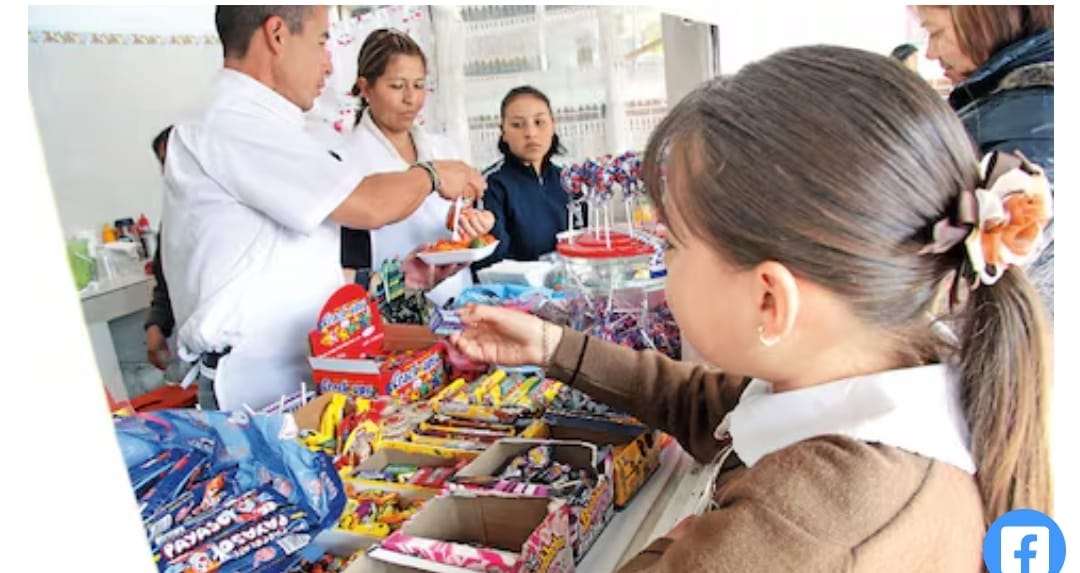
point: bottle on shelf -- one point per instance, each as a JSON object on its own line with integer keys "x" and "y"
{"x": 147, "y": 236}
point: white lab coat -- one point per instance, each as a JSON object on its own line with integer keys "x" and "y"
{"x": 249, "y": 252}
{"x": 375, "y": 154}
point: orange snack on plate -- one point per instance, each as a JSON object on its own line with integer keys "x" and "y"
{"x": 450, "y": 216}
{"x": 444, "y": 245}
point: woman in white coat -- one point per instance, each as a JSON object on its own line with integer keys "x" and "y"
{"x": 391, "y": 75}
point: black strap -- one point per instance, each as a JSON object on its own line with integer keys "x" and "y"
{"x": 210, "y": 359}
{"x": 580, "y": 359}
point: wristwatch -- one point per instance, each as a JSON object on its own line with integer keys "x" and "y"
{"x": 432, "y": 174}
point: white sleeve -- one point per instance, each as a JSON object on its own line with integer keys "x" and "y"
{"x": 289, "y": 177}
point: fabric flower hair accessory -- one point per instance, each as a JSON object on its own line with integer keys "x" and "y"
{"x": 1000, "y": 222}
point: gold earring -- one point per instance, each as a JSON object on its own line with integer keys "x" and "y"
{"x": 766, "y": 342}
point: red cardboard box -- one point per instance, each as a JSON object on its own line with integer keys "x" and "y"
{"x": 354, "y": 353}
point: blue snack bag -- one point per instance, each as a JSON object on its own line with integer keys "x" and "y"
{"x": 262, "y": 449}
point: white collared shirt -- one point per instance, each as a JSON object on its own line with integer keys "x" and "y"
{"x": 374, "y": 153}
{"x": 913, "y": 409}
{"x": 249, "y": 253}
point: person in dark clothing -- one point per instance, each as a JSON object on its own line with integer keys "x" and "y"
{"x": 160, "y": 321}
{"x": 1001, "y": 60}
{"x": 524, "y": 190}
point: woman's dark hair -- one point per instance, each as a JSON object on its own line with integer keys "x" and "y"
{"x": 843, "y": 188}
{"x": 904, "y": 51}
{"x": 375, "y": 54}
{"x": 522, "y": 91}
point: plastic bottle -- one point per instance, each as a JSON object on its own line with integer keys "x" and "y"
{"x": 108, "y": 234}
{"x": 149, "y": 237}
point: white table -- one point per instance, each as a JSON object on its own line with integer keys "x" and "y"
{"x": 108, "y": 300}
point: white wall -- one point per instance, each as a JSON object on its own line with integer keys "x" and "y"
{"x": 124, "y": 19}
{"x": 753, "y": 30}
{"x": 99, "y": 105}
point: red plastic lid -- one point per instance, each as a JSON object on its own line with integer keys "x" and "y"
{"x": 590, "y": 246}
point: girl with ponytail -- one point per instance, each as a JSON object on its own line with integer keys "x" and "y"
{"x": 853, "y": 271}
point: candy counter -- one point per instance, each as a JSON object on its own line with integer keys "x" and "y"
{"x": 410, "y": 455}
{"x": 384, "y": 465}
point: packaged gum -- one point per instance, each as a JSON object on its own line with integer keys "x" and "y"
{"x": 174, "y": 483}
{"x": 146, "y": 474}
{"x": 248, "y": 547}
{"x": 251, "y": 507}
{"x": 197, "y": 502}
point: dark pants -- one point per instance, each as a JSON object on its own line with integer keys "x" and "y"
{"x": 207, "y": 398}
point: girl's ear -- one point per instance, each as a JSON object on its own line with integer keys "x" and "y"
{"x": 777, "y": 301}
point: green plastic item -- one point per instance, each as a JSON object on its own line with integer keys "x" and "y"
{"x": 82, "y": 264}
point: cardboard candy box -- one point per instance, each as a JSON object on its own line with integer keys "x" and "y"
{"x": 499, "y": 396}
{"x": 353, "y": 352}
{"x": 589, "y": 513}
{"x": 635, "y": 448}
{"x": 343, "y": 542}
{"x": 384, "y": 457}
{"x": 465, "y": 532}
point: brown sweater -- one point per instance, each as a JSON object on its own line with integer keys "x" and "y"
{"x": 829, "y": 503}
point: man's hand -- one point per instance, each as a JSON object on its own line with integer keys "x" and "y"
{"x": 458, "y": 179}
{"x": 157, "y": 347}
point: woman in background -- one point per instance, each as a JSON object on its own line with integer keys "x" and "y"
{"x": 524, "y": 191}
{"x": 391, "y": 76}
{"x": 1001, "y": 60}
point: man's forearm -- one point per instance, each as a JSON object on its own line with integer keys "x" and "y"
{"x": 384, "y": 198}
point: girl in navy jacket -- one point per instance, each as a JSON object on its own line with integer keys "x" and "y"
{"x": 524, "y": 191}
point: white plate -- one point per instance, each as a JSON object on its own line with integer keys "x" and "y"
{"x": 459, "y": 257}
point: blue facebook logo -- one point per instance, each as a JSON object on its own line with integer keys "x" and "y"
{"x": 1024, "y": 541}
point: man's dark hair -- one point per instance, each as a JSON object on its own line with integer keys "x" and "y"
{"x": 160, "y": 142}
{"x": 904, "y": 51}
{"x": 236, "y": 24}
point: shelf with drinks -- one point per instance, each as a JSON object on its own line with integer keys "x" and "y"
{"x": 502, "y": 66}
{"x": 582, "y": 129}
{"x": 527, "y": 68}
{"x": 564, "y": 115}
{"x": 514, "y": 18}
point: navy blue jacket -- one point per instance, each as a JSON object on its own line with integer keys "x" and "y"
{"x": 530, "y": 209}
{"x": 1007, "y": 104}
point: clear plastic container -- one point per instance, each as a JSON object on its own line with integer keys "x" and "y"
{"x": 616, "y": 292}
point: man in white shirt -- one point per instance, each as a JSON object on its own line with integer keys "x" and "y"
{"x": 254, "y": 207}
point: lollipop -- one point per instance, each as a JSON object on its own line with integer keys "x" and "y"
{"x": 633, "y": 166}
{"x": 573, "y": 181}
{"x": 591, "y": 171}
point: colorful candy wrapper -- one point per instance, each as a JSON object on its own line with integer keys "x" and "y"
{"x": 199, "y": 501}
{"x": 445, "y": 322}
{"x": 484, "y": 560}
{"x": 540, "y": 457}
{"x": 239, "y": 546}
{"x": 172, "y": 484}
{"x": 251, "y": 506}
{"x": 146, "y": 474}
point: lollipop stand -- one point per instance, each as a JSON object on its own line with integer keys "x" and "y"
{"x": 615, "y": 272}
